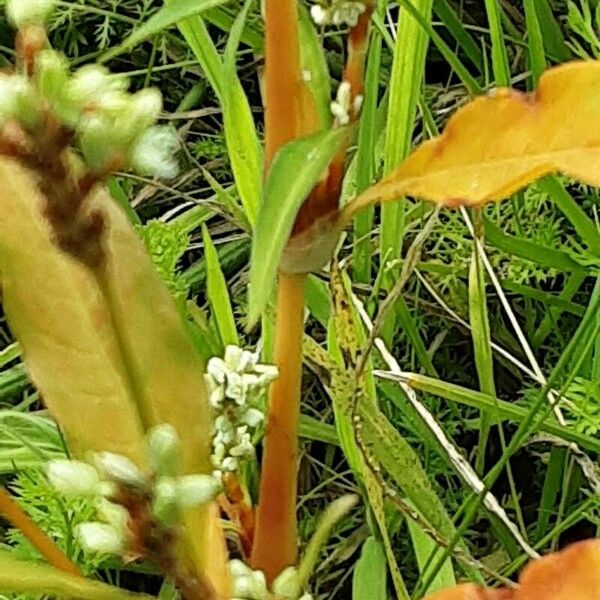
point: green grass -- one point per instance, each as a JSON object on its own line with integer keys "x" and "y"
{"x": 450, "y": 333}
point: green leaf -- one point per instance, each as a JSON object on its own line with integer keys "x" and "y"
{"x": 218, "y": 294}
{"x": 314, "y": 67}
{"x": 369, "y": 581}
{"x": 482, "y": 349}
{"x": 242, "y": 142}
{"x": 424, "y": 547}
{"x": 170, "y": 14}
{"x": 501, "y": 409}
{"x": 295, "y": 170}
{"x": 20, "y": 576}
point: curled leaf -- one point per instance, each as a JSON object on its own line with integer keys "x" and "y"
{"x": 503, "y": 141}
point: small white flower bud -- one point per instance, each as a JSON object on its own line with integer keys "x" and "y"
{"x": 164, "y": 505}
{"x": 100, "y": 538}
{"x": 113, "y": 514}
{"x": 97, "y": 144}
{"x": 146, "y": 105}
{"x": 120, "y": 469}
{"x": 229, "y": 464}
{"x": 238, "y": 568}
{"x": 217, "y": 396}
{"x": 267, "y": 373}
{"x": 223, "y": 424}
{"x": 91, "y": 82}
{"x": 253, "y": 417}
{"x": 357, "y": 104}
{"x": 217, "y": 369}
{"x": 233, "y": 358}
{"x": 164, "y": 449}
{"x": 153, "y": 153}
{"x": 18, "y": 100}
{"x": 320, "y": 15}
{"x": 28, "y": 12}
{"x": 237, "y": 388}
{"x": 52, "y": 80}
{"x": 286, "y": 584}
{"x": 73, "y": 477}
{"x": 219, "y": 452}
{"x": 194, "y": 490}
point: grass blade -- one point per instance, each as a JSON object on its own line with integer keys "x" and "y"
{"x": 218, "y": 294}
{"x": 168, "y": 15}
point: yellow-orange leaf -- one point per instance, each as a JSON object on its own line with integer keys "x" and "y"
{"x": 503, "y": 141}
{"x": 572, "y": 574}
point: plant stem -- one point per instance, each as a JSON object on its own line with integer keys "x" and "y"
{"x": 275, "y": 543}
{"x": 283, "y": 85}
{"x": 276, "y": 537}
{"x": 39, "y": 540}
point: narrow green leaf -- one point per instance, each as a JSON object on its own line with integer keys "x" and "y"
{"x": 499, "y": 55}
{"x": 481, "y": 337}
{"x": 218, "y": 293}
{"x": 21, "y": 576}
{"x": 295, "y": 170}
{"x": 314, "y": 67}
{"x": 445, "y": 11}
{"x": 336, "y": 511}
{"x": 243, "y": 147}
{"x": 553, "y": 482}
{"x": 367, "y": 159}
{"x": 242, "y": 141}
{"x": 406, "y": 79}
{"x": 424, "y": 547}
{"x": 524, "y": 248}
{"x": 501, "y": 409}
{"x": 535, "y": 42}
{"x": 170, "y": 14}
{"x": 369, "y": 581}
{"x": 584, "y": 226}
{"x": 554, "y": 41}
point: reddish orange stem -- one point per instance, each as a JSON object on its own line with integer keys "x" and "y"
{"x": 276, "y": 538}
{"x": 43, "y": 544}
{"x": 283, "y": 85}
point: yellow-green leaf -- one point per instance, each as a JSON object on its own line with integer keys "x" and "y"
{"x": 501, "y": 142}
{"x": 109, "y": 353}
{"x": 20, "y": 576}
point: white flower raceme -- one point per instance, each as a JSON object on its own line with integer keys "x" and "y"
{"x": 235, "y": 383}
{"x": 28, "y": 12}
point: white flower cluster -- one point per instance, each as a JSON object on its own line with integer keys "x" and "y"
{"x": 339, "y": 12}
{"x": 236, "y": 382}
{"x": 114, "y": 129}
{"x": 252, "y": 585}
{"x": 169, "y": 494}
{"x": 343, "y": 104}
